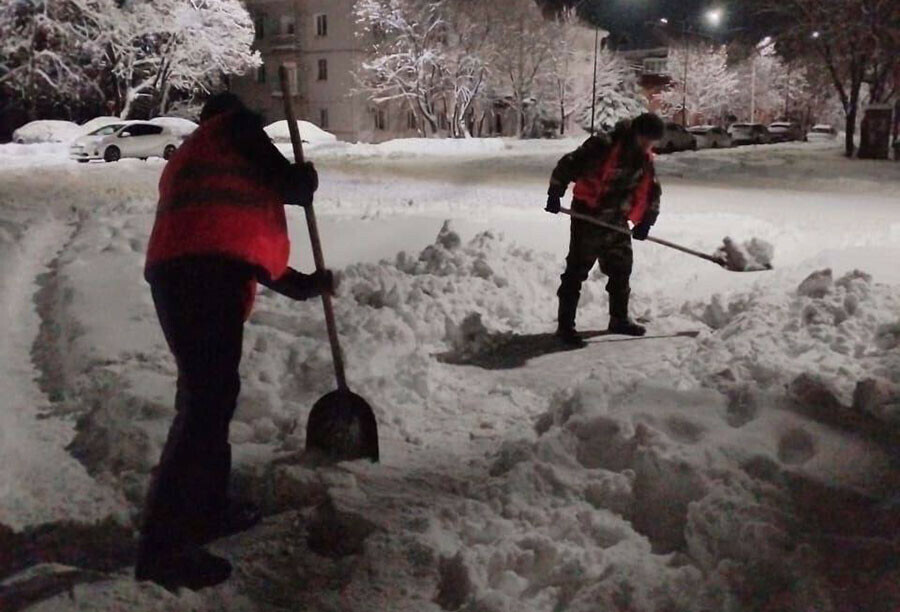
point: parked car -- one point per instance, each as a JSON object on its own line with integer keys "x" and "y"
{"x": 113, "y": 142}
{"x": 46, "y": 130}
{"x": 749, "y": 133}
{"x": 822, "y": 132}
{"x": 676, "y": 138}
{"x": 786, "y": 131}
{"x": 710, "y": 137}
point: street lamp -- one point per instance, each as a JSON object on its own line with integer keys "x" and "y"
{"x": 714, "y": 17}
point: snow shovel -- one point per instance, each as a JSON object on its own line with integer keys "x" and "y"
{"x": 341, "y": 425}
{"x": 724, "y": 258}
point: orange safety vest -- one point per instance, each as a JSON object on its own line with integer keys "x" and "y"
{"x": 212, "y": 201}
{"x": 592, "y": 187}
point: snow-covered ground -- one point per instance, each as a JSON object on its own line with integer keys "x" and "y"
{"x": 742, "y": 457}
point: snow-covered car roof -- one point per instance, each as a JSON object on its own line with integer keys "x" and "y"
{"x": 702, "y": 128}
{"x": 47, "y": 130}
{"x": 782, "y": 124}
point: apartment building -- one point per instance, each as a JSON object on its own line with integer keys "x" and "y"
{"x": 316, "y": 41}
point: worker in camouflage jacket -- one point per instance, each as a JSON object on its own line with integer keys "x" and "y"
{"x": 615, "y": 182}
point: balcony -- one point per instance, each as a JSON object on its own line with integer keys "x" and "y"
{"x": 284, "y": 42}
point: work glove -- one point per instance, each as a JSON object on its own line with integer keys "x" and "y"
{"x": 641, "y": 231}
{"x": 304, "y": 182}
{"x": 299, "y": 286}
{"x": 553, "y": 204}
{"x": 554, "y": 193}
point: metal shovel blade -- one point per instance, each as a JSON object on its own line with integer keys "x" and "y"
{"x": 342, "y": 427}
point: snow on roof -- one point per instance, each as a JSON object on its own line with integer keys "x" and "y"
{"x": 47, "y": 130}
{"x": 309, "y": 132}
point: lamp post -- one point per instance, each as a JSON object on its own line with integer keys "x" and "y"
{"x": 713, "y": 18}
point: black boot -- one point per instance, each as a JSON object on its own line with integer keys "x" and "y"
{"x": 239, "y": 516}
{"x": 568, "y": 305}
{"x": 625, "y": 327}
{"x": 182, "y": 566}
{"x": 570, "y": 338}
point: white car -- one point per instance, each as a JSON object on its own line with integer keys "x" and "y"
{"x": 676, "y": 138}
{"x": 749, "y": 133}
{"x": 822, "y": 132}
{"x": 140, "y": 139}
{"x": 710, "y": 137}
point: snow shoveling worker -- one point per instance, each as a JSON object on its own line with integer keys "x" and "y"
{"x": 615, "y": 182}
{"x": 220, "y": 228}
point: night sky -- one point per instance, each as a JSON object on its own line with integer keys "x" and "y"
{"x": 629, "y": 18}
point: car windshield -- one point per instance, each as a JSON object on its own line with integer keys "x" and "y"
{"x": 822, "y": 130}
{"x": 106, "y": 130}
{"x": 742, "y": 126}
{"x": 780, "y": 125}
{"x": 700, "y": 129}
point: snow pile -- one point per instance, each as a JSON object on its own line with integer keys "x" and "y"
{"x": 46, "y": 130}
{"x": 844, "y": 331}
{"x": 180, "y": 127}
{"x": 753, "y": 255}
{"x": 309, "y": 132}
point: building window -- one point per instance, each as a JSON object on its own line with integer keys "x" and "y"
{"x": 380, "y": 120}
{"x": 323, "y": 70}
{"x": 321, "y": 25}
{"x": 655, "y": 65}
{"x": 287, "y": 24}
{"x": 323, "y": 118}
{"x": 259, "y": 23}
{"x": 411, "y": 122}
{"x": 261, "y": 73}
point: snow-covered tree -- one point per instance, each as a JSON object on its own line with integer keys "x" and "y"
{"x": 770, "y": 84}
{"x": 156, "y": 46}
{"x": 139, "y": 51}
{"x": 710, "y": 84}
{"x": 522, "y": 51}
{"x": 47, "y": 52}
{"x": 618, "y": 94}
{"x": 404, "y": 54}
{"x": 856, "y": 41}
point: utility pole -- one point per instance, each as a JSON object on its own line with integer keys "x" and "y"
{"x": 753, "y": 90}
{"x": 684, "y": 85}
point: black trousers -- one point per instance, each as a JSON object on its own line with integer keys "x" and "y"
{"x": 200, "y": 305}
{"x": 589, "y": 245}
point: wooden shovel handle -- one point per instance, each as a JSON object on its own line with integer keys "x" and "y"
{"x": 330, "y": 323}
{"x": 622, "y": 230}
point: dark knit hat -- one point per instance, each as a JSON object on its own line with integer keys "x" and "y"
{"x": 648, "y": 125}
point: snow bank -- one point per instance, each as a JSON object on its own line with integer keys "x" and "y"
{"x": 180, "y": 127}
{"x": 309, "y": 132}
{"x": 46, "y": 130}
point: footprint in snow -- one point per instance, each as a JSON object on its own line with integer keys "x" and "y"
{"x": 796, "y": 446}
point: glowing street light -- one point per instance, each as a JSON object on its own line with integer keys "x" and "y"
{"x": 714, "y": 17}
{"x": 816, "y": 34}
{"x": 664, "y": 20}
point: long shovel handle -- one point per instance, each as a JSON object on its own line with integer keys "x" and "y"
{"x": 330, "y": 323}
{"x": 622, "y": 230}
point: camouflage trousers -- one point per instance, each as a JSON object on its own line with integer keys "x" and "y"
{"x": 590, "y": 244}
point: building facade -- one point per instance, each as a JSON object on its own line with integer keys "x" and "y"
{"x": 316, "y": 41}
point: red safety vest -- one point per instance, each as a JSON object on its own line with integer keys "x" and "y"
{"x": 591, "y": 188}
{"x": 212, "y": 202}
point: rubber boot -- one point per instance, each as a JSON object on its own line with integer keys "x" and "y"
{"x": 224, "y": 516}
{"x": 186, "y": 566}
{"x": 565, "y": 330}
{"x": 619, "y": 323}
